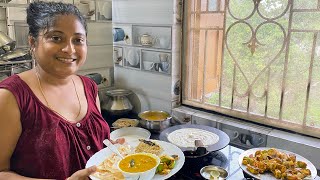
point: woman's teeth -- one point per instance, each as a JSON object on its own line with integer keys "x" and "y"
{"x": 66, "y": 60}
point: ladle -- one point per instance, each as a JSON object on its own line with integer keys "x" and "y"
{"x": 112, "y": 147}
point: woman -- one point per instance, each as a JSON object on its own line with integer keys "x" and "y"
{"x": 50, "y": 122}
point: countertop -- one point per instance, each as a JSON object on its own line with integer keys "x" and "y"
{"x": 227, "y": 158}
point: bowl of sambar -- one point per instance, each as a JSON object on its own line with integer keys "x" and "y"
{"x": 155, "y": 121}
{"x": 139, "y": 166}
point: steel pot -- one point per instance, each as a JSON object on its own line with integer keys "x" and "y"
{"x": 155, "y": 121}
{"x": 118, "y": 103}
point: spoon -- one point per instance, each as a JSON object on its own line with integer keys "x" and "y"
{"x": 112, "y": 147}
{"x": 214, "y": 175}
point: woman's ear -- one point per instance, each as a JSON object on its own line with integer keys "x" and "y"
{"x": 31, "y": 41}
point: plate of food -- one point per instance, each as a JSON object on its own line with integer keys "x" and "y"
{"x": 172, "y": 159}
{"x": 272, "y": 164}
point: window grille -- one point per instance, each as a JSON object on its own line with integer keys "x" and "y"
{"x": 254, "y": 59}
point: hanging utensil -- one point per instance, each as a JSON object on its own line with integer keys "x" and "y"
{"x": 6, "y": 43}
{"x": 16, "y": 55}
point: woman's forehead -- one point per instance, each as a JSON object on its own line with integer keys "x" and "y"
{"x": 66, "y": 23}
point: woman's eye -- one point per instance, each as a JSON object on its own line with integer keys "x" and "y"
{"x": 56, "y": 38}
{"x": 80, "y": 41}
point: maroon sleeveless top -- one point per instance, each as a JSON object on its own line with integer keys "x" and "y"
{"x": 49, "y": 146}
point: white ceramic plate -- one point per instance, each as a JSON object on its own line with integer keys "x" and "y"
{"x": 133, "y": 57}
{"x": 168, "y": 149}
{"x": 130, "y": 134}
{"x": 269, "y": 176}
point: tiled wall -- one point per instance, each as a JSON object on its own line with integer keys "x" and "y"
{"x": 151, "y": 90}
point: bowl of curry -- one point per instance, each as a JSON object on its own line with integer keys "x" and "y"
{"x": 155, "y": 121}
{"x": 139, "y": 166}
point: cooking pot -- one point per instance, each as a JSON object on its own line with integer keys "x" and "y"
{"x": 155, "y": 121}
{"x": 6, "y": 43}
{"x": 118, "y": 103}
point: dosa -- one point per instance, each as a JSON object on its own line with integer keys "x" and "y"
{"x": 186, "y": 137}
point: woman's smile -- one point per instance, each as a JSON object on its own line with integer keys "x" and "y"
{"x": 66, "y": 60}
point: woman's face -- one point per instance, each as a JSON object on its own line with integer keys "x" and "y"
{"x": 62, "y": 49}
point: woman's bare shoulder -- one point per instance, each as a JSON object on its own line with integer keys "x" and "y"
{"x": 5, "y": 96}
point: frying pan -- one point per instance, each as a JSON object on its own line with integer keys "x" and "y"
{"x": 198, "y": 152}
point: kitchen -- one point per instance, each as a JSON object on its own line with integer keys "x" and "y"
{"x": 157, "y": 90}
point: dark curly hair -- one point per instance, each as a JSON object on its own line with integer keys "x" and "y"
{"x": 42, "y": 15}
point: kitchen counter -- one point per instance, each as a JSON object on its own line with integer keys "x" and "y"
{"x": 227, "y": 158}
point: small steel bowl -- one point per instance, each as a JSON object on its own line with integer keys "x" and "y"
{"x": 205, "y": 172}
{"x": 155, "y": 121}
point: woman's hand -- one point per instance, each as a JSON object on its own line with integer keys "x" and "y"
{"x": 83, "y": 174}
{"x": 118, "y": 141}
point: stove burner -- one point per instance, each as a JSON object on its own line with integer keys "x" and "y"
{"x": 192, "y": 166}
{"x": 200, "y": 152}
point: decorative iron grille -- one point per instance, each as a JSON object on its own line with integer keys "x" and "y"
{"x": 255, "y": 59}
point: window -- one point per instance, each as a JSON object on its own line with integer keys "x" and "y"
{"x": 255, "y": 59}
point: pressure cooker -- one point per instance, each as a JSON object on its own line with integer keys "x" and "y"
{"x": 117, "y": 102}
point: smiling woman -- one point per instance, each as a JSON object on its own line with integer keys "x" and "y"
{"x": 50, "y": 110}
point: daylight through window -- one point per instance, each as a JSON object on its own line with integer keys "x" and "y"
{"x": 255, "y": 59}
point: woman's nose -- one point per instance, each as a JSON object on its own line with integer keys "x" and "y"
{"x": 68, "y": 48}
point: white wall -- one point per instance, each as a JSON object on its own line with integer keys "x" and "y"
{"x": 142, "y": 11}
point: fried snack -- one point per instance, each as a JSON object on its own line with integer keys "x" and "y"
{"x": 166, "y": 164}
{"x": 281, "y": 165}
{"x": 148, "y": 147}
{"x": 111, "y": 174}
{"x": 108, "y": 170}
{"x": 125, "y": 122}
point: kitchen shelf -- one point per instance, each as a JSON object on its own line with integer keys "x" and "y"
{"x": 13, "y": 67}
{"x": 160, "y": 36}
{"x": 156, "y": 61}
{"x": 149, "y": 41}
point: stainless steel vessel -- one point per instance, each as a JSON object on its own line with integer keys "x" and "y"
{"x": 155, "y": 121}
{"x": 118, "y": 103}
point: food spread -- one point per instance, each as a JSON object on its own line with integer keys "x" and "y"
{"x": 137, "y": 163}
{"x": 148, "y": 147}
{"x": 108, "y": 168}
{"x": 281, "y": 165}
{"x": 186, "y": 137}
{"x": 125, "y": 122}
{"x": 154, "y": 116}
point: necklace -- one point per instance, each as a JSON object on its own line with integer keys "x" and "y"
{"x": 40, "y": 87}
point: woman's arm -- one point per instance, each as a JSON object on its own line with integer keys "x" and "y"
{"x": 10, "y": 130}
